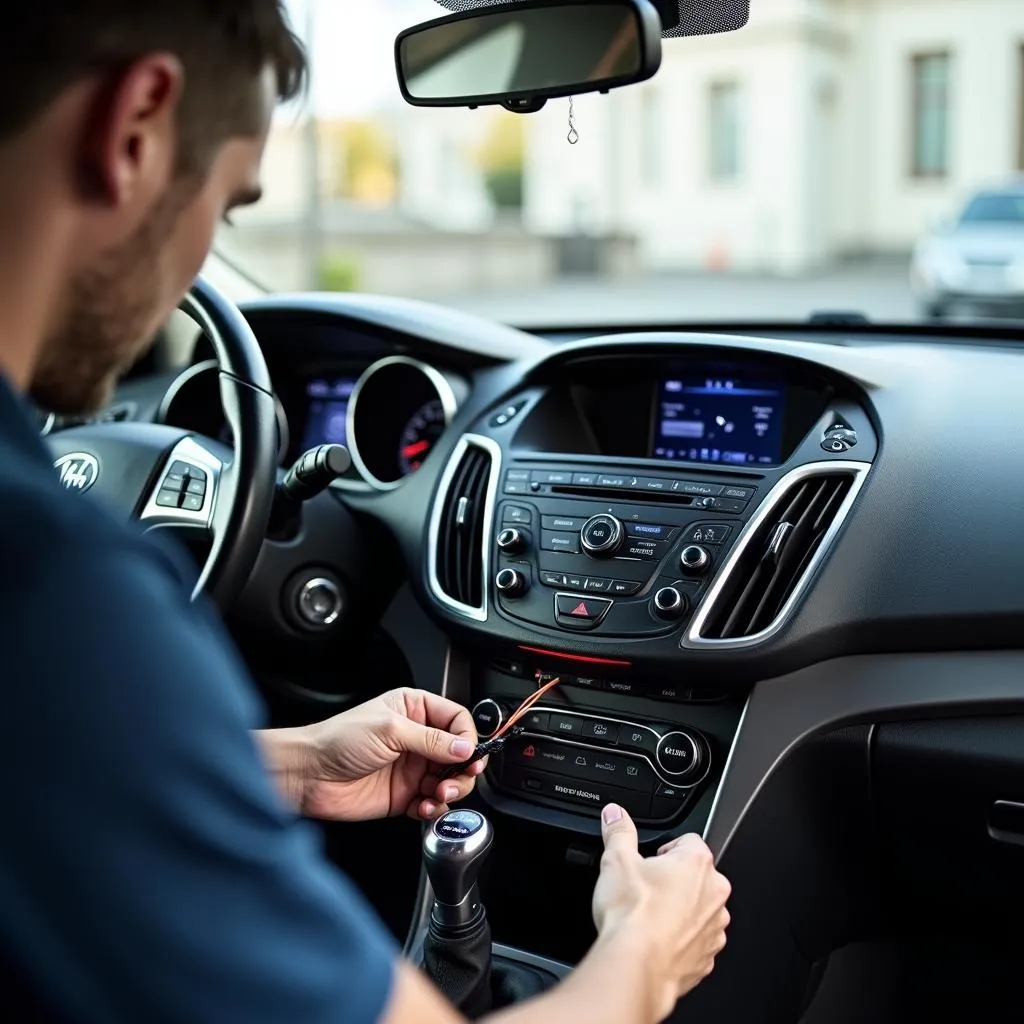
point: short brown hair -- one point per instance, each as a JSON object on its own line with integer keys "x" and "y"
{"x": 224, "y": 45}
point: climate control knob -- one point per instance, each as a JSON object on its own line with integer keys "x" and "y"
{"x": 669, "y": 603}
{"x": 601, "y": 535}
{"x": 510, "y": 583}
{"x": 511, "y": 541}
{"x": 679, "y": 755}
{"x": 695, "y": 560}
{"x": 488, "y": 717}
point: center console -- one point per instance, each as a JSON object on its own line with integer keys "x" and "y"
{"x": 642, "y": 531}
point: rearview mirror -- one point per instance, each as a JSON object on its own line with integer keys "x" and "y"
{"x": 521, "y": 54}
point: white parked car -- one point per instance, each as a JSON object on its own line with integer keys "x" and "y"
{"x": 976, "y": 263}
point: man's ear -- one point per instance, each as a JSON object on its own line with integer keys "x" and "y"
{"x": 131, "y": 141}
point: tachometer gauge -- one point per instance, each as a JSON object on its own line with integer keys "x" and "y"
{"x": 420, "y": 435}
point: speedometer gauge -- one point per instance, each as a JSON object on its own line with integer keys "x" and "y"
{"x": 420, "y": 435}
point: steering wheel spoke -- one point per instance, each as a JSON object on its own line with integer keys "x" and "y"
{"x": 185, "y": 492}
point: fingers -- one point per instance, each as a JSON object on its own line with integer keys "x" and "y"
{"x": 446, "y": 715}
{"x": 431, "y": 743}
{"x": 452, "y": 790}
{"x": 690, "y": 846}
{"x": 618, "y": 831}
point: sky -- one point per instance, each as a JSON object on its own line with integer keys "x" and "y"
{"x": 353, "y": 50}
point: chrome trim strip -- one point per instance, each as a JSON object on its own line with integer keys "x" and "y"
{"x": 725, "y": 772}
{"x": 692, "y": 638}
{"x": 493, "y": 450}
{"x": 186, "y": 450}
{"x": 555, "y": 967}
{"x": 437, "y": 380}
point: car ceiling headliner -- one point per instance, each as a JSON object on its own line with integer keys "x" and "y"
{"x": 696, "y": 17}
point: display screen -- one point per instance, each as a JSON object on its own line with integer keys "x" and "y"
{"x": 326, "y": 419}
{"x": 732, "y": 420}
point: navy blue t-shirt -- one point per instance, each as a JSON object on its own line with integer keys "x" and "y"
{"x": 149, "y": 871}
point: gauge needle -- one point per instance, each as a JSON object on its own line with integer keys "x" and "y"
{"x": 410, "y": 451}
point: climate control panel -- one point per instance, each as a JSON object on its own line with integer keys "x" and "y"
{"x": 611, "y": 554}
{"x": 586, "y": 760}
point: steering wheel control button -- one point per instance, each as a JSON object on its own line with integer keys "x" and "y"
{"x": 510, "y": 583}
{"x": 695, "y": 560}
{"x": 601, "y": 535}
{"x": 603, "y": 732}
{"x": 319, "y": 603}
{"x": 193, "y": 502}
{"x": 458, "y": 825}
{"x": 168, "y": 498}
{"x": 511, "y": 541}
{"x": 678, "y": 755}
{"x": 488, "y": 717}
{"x": 669, "y": 603}
{"x": 707, "y": 533}
{"x": 566, "y": 543}
{"x": 573, "y": 611}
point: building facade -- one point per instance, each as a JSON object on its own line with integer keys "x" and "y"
{"x": 824, "y": 129}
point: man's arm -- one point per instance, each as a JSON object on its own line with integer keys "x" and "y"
{"x": 149, "y": 871}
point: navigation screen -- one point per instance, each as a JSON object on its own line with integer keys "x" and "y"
{"x": 729, "y": 420}
{"x": 328, "y": 408}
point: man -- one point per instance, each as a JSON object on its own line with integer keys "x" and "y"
{"x": 150, "y": 869}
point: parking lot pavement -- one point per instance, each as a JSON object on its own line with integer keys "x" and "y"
{"x": 881, "y": 292}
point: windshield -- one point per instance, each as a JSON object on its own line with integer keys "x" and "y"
{"x": 820, "y": 160}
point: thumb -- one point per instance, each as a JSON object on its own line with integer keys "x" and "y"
{"x": 618, "y": 831}
{"x": 433, "y": 744}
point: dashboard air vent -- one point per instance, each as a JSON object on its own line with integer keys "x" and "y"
{"x": 778, "y": 554}
{"x": 459, "y": 544}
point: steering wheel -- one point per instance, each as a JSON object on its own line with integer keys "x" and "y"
{"x": 167, "y": 477}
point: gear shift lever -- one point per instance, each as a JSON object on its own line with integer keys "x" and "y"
{"x": 454, "y": 851}
{"x": 457, "y": 950}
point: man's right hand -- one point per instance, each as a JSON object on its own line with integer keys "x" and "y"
{"x": 670, "y": 907}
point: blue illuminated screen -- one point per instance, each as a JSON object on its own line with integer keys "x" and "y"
{"x": 730, "y": 420}
{"x": 326, "y": 419}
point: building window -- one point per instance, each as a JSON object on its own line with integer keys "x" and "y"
{"x": 724, "y": 141}
{"x": 650, "y": 137}
{"x": 1020, "y": 110}
{"x": 931, "y": 114}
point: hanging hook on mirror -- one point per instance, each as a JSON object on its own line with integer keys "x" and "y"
{"x": 574, "y": 136}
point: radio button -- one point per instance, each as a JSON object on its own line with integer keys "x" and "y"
{"x": 707, "y": 533}
{"x": 536, "y": 721}
{"x": 552, "y": 579}
{"x": 627, "y": 687}
{"x": 601, "y": 535}
{"x": 598, "y": 586}
{"x": 604, "y": 732}
{"x": 743, "y": 493}
{"x": 646, "y": 550}
{"x": 648, "y": 531}
{"x": 573, "y": 523}
{"x": 575, "y": 582}
{"x": 584, "y": 479}
{"x": 625, "y": 588}
{"x": 613, "y": 482}
{"x": 516, "y": 514}
{"x": 568, "y": 543}
{"x": 561, "y": 478}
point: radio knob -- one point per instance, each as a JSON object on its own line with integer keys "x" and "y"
{"x": 511, "y": 541}
{"x": 488, "y": 717}
{"x": 695, "y": 560}
{"x": 510, "y": 583}
{"x": 601, "y": 535}
{"x": 669, "y": 603}
{"x": 679, "y": 755}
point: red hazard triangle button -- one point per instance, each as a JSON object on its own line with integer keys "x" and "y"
{"x": 575, "y": 612}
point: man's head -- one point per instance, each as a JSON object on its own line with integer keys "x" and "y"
{"x": 128, "y": 129}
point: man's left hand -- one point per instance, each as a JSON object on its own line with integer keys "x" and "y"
{"x": 379, "y": 759}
